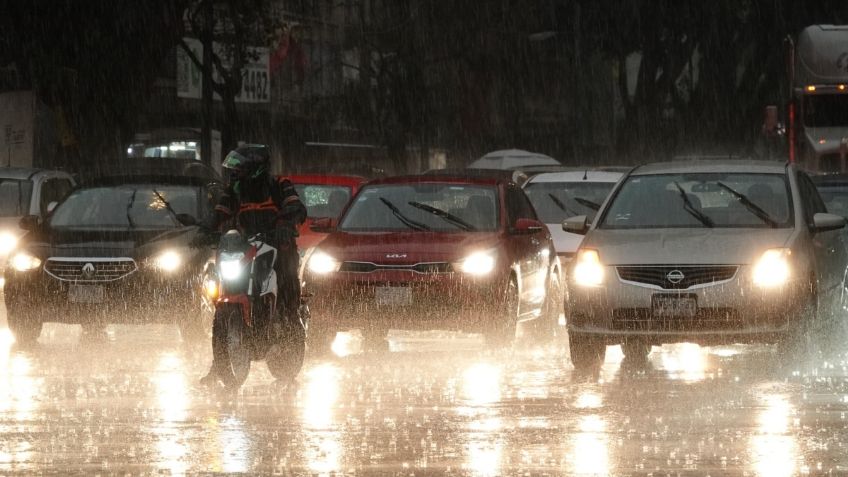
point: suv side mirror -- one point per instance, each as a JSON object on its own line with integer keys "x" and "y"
{"x": 527, "y": 226}
{"x": 578, "y": 224}
{"x": 324, "y": 225}
{"x": 827, "y": 222}
{"x": 29, "y": 222}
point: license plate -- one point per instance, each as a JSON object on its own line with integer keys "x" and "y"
{"x": 665, "y": 306}
{"x": 393, "y": 295}
{"x": 85, "y": 294}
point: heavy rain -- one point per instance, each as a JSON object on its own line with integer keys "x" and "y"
{"x": 416, "y": 237}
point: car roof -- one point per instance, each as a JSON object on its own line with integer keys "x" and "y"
{"x": 577, "y": 176}
{"x": 439, "y": 178}
{"x": 711, "y": 166}
{"x": 146, "y": 169}
{"x": 23, "y": 173}
{"x": 326, "y": 179}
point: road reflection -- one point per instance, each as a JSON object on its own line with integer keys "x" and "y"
{"x": 481, "y": 391}
{"x": 172, "y": 401}
{"x": 20, "y": 393}
{"x": 773, "y": 448}
{"x": 322, "y": 434}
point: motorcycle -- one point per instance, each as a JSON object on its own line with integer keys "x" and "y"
{"x": 241, "y": 285}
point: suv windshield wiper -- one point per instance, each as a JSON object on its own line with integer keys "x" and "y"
{"x": 752, "y": 207}
{"x": 561, "y": 205}
{"x": 129, "y": 208}
{"x": 688, "y": 207}
{"x": 404, "y": 219}
{"x": 587, "y": 203}
{"x": 447, "y": 216}
{"x": 167, "y": 207}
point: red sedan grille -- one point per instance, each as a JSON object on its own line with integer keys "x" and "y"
{"x": 368, "y": 267}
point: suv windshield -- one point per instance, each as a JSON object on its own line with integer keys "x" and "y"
{"x": 424, "y": 207}
{"x": 700, "y": 200}
{"x": 127, "y": 206}
{"x": 323, "y": 200}
{"x": 557, "y": 201}
{"x": 14, "y": 197}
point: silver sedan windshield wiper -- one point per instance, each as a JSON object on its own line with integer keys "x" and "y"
{"x": 404, "y": 219}
{"x": 752, "y": 207}
{"x": 447, "y": 216}
{"x": 688, "y": 207}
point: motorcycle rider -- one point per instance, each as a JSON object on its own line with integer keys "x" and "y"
{"x": 256, "y": 202}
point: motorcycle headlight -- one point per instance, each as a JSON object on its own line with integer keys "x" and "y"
{"x": 8, "y": 242}
{"x": 322, "y": 264}
{"x": 588, "y": 270}
{"x": 772, "y": 269}
{"x": 168, "y": 261}
{"x": 230, "y": 266}
{"x": 24, "y": 262}
{"x": 478, "y": 263}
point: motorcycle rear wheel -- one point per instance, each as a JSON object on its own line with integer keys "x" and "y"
{"x": 285, "y": 357}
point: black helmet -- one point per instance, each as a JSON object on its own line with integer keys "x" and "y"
{"x": 250, "y": 161}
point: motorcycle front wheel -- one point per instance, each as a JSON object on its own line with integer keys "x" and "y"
{"x": 235, "y": 367}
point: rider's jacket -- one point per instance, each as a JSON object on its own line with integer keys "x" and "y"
{"x": 268, "y": 204}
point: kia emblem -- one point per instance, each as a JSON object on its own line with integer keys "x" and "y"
{"x": 675, "y": 276}
{"x": 395, "y": 255}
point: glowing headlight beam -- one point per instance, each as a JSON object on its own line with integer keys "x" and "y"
{"x": 169, "y": 261}
{"x": 322, "y": 264}
{"x": 24, "y": 262}
{"x": 588, "y": 270}
{"x": 8, "y": 242}
{"x": 231, "y": 269}
{"x": 478, "y": 263}
{"x": 772, "y": 269}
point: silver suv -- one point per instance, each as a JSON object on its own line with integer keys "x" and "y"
{"x": 707, "y": 252}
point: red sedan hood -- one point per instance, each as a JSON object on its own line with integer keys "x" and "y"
{"x": 406, "y": 247}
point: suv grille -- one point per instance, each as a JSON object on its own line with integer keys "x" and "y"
{"x": 691, "y": 275}
{"x": 75, "y": 270}
{"x": 368, "y": 267}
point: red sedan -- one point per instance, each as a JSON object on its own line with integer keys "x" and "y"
{"x": 434, "y": 252}
{"x": 323, "y": 196}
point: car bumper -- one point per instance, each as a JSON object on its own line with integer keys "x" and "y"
{"x": 402, "y": 300}
{"x": 137, "y": 298}
{"x": 726, "y": 312}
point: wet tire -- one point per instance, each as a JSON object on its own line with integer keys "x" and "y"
{"x": 587, "y": 352}
{"x": 636, "y": 351}
{"x": 25, "y": 326}
{"x": 235, "y": 367}
{"x": 320, "y": 340}
{"x": 546, "y": 327}
{"x": 501, "y": 332}
{"x": 285, "y": 358}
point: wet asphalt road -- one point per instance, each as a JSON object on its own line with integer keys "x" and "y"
{"x": 437, "y": 403}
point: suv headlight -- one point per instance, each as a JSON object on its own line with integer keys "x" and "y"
{"x": 322, "y": 264}
{"x": 168, "y": 261}
{"x": 479, "y": 263}
{"x": 588, "y": 270}
{"x": 8, "y": 242}
{"x": 230, "y": 266}
{"x": 772, "y": 269}
{"x": 24, "y": 262}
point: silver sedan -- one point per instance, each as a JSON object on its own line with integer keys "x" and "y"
{"x": 706, "y": 252}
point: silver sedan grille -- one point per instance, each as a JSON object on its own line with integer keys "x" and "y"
{"x": 90, "y": 269}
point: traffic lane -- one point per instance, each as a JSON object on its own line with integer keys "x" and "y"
{"x": 128, "y": 403}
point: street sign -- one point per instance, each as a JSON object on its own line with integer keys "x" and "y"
{"x": 256, "y": 82}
